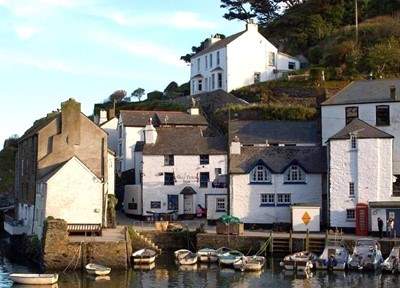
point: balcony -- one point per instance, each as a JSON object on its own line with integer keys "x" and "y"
{"x": 14, "y": 227}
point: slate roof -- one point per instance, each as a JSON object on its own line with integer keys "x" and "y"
{"x": 185, "y": 141}
{"x": 136, "y": 118}
{"x": 361, "y": 129}
{"x": 219, "y": 44}
{"x": 365, "y": 91}
{"x": 311, "y": 158}
{"x": 275, "y": 131}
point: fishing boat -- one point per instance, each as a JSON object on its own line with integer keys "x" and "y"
{"x": 229, "y": 257}
{"x": 187, "y": 259}
{"x": 367, "y": 255}
{"x": 34, "y": 279}
{"x": 144, "y": 256}
{"x": 334, "y": 257}
{"x": 181, "y": 252}
{"x": 249, "y": 263}
{"x": 392, "y": 263}
{"x": 98, "y": 270}
{"x": 207, "y": 255}
{"x": 300, "y": 261}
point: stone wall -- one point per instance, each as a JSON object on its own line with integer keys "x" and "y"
{"x": 171, "y": 240}
{"x": 59, "y": 252}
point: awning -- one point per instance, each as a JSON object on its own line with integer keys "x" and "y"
{"x": 384, "y": 204}
{"x": 188, "y": 191}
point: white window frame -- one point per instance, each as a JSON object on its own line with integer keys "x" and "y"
{"x": 198, "y": 64}
{"x": 218, "y": 58}
{"x": 211, "y": 60}
{"x": 295, "y": 174}
{"x": 206, "y": 61}
{"x": 220, "y": 204}
{"x": 353, "y": 142}
{"x": 267, "y": 200}
{"x": 219, "y": 80}
{"x": 260, "y": 174}
{"x": 271, "y": 59}
{"x": 352, "y": 191}
{"x": 286, "y": 199}
{"x": 200, "y": 85}
{"x": 347, "y": 215}
{"x": 212, "y": 81}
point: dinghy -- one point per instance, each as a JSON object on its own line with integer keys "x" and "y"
{"x": 181, "y": 252}
{"x": 230, "y": 257}
{"x": 144, "y": 256}
{"x": 207, "y": 255}
{"x": 187, "y": 259}
{"x": 392, "y": 263}
{"x": 300, "y": 261}
{"x": 334, "y": 257}
{"x": 222, "y": 250}
{"x": 98, "y": 270}
{"x": 249, "y": 263}
{"x": 144, "y": 267}
{"x": 367, "y": 255}
{"x": 34, "y": 279}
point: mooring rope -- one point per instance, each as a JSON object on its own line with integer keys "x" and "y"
{"x": 78, "y": 250}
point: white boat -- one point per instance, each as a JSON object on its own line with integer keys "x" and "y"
{"x": 249, "y": 263}
{"x": 300, "y": 261}
{"x": 222, "y": 250}
{"x": 144, "y": 256}
{"x": 392, "y": 263}
{"x": 181, "y": 252}
{"x": 96, "y": 269}
{"x": 334, "y": 257}
{"x": 367, "y": 255}
{"x": 34, "y": 279}
{"x": 144, "y": 267}
{"x": 207, "y": 255}
{"x": 187, "y": 259}
{"x": 230, "y": 257}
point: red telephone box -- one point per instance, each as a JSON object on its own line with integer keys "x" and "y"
{"x": 362, "y": 219}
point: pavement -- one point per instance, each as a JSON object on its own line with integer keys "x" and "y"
{"x": 108, "y": 235}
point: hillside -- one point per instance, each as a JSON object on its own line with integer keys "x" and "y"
{"x": 7, "y": 167}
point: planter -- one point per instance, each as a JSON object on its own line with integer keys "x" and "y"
{"x": 232, "y": 228}
{"x": 161, "y": 225}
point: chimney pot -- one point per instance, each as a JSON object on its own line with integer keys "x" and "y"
{"x": 235, "y": 146}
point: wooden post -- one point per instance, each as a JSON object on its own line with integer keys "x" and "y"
{"x": 326, "y": 237}
{"x": 272, "y": 243}
{"x": 307, "y": 240}
{"x": 290, "y": 242}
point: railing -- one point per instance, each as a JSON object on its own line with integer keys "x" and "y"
{"x": 84, "y": 228}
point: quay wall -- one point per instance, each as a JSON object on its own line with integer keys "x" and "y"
{"x": 60, "y": 253}
{"x": 172, "y": 240}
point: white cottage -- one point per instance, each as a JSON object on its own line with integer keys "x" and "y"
{"x": 178, "y": 168}
{"x": 266, "y": 181}
{"x": 238, "y": 60}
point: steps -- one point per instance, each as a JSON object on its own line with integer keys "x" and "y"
{"x": 316, "y": 245}
{"x": 142, "y": 241}
{"x": 280, "y": 245}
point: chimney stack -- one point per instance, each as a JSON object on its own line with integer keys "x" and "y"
{"x": 71, "y": 121}
{"x": 235, "y": 146}
{"x": 102, "y": 116}
{"x": 393, "y": 93}
{"x": 251, "y": 26}
{"x": 150, "y": 133}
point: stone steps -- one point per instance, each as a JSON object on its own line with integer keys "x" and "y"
{"x": 146, "y": 242}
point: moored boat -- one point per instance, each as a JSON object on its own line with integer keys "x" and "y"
{"x": 367, "y": 255}
{"x": 207, "y": 255}
{"x": 34, "y": 279}
{"x": 144, "y": 256}
{"x": 392, "y": 262}
{"x": 300, "y": 261}
{"x": 98, "y": 270}
{"x": 189, "y": 258}
{"x": 181, "y": 252}
{"x": 144, "y": 267}
{"x": 249, "y": 263}
{"x": 334, "y": 257}
{"x": 229, "y": 257}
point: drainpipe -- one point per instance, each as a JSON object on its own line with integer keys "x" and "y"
{"x": 228, "y": 164}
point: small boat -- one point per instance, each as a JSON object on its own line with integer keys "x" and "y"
{"x": 392, "y": 263}
{"x": 300, "y": 261}
{"x": 187, "y": 259}
{"x": 34, "y": 279}
{"x": 249, "y": 263}
{"x": 222, "y": 250}
{"x": 230, "y": 257}
{"x": 207, "y": 255}
{"x": 144, "y": 267}
{"x": 367, "y": 255}
{"x": 334, "y": 257}
{"x": 181, "y": 252}
{"x": 98, "y": 270}
{"x": 144, "y": 256}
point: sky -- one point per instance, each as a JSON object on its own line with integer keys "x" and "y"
{"x": 53, "y": 50}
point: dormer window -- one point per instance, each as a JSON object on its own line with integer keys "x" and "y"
{"x": 295, "y": 175}
{"x": 260, "y": 174}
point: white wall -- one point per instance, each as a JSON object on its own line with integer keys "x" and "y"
{"x": 298, "y": 222}
{"x": 283, "y": 62}
{"x": 212, "y": 213}
{"x": 369, "y": 167}
{"x": 111, "y": 174}
{"x": 133, "y": 194}
{"x": 111, "y": 127}
{"x": 246, "y": 199}
{"x": 333, "y": 119}
{"x": 187, "y": 170}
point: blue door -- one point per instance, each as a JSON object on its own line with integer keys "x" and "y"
{"x": 173, "y": 202}
{"x": 395, "y": 214}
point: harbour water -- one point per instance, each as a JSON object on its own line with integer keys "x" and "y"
{"x": 168, "y": 274}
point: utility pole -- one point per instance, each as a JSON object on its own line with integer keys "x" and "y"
{"x": 228, "y": 178}
{"x": 356, "y": 16}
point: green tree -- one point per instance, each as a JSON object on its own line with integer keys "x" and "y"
{"x": 155, "y": 95}
{"x": 117, "y": 96}
{"x": 138, "y": 93}
{"x": 200, "y": 47}
{"x": 384, "y": 58}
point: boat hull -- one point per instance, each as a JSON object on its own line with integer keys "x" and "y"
{"x": 34, "y": 279}
{"x": 144, "y": 260}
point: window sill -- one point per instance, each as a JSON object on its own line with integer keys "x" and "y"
{"x": 382, "y": 125}
{"x": 267, "y": 205}
{"x": 219, "y": 211}
{"x": 350, "y": 220}
{"x": 169, "y": 184}
{"x": 260, "y": 183}
{"x": 292, "y": 183}
{"x": 283, "y": 205}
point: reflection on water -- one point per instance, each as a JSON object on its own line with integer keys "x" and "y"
{"x": 168, "y": 274}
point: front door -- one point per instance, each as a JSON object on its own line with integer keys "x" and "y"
{"x": 188, "y": 204}
{"x": 173, "y": 202}
{"x": 394, "y": 214}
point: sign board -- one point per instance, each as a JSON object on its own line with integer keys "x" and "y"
{"x": 305, "y": 218}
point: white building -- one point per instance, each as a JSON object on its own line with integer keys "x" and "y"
{"x": 361, "y": 127}
{"x": 239, "y": 60}
{"x": 178, "y": 168}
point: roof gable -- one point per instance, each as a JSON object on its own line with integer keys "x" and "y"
{"x": 361, "y": 130}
